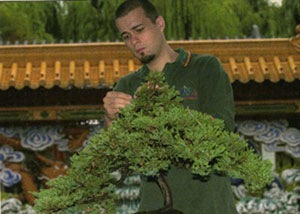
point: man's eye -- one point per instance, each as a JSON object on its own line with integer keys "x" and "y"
{"x": 125, "y": 37}
{"x": 139, "y": 29}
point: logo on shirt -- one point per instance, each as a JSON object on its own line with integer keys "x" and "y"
{"x": 188, "y": 93}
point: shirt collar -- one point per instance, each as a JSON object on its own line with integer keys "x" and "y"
{"x": 184, "y": 57}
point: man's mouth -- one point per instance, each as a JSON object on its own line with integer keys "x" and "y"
{"x": 140, "y": 51}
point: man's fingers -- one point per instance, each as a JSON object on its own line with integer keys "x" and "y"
{"x": 113, "y": 101}
{"x": 116, "y": 94}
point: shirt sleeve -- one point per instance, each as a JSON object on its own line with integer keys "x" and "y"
{"x": 125, "y": 85}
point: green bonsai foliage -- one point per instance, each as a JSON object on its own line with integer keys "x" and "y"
{"x": 151, "y": 134}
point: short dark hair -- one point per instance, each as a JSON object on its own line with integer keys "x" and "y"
{"x": 129, "y": 5}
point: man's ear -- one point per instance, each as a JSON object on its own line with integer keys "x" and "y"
{"x": 160, "y": 21}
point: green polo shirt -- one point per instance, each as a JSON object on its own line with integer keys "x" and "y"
{"x": 204, "y": 86}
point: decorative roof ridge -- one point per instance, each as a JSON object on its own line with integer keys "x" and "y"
{"x": 296, "y": 39}
{"x": 247, "y": 40}
{"x": 102, "y": 64}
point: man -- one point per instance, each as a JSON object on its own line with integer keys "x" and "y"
{"x": 203, "y": 85}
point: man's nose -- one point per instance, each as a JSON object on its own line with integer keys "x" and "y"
{"x": 135, "y": 39}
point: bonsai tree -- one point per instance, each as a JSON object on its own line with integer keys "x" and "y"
{"x": 151, "y": 134}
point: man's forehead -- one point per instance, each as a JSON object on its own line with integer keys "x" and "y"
{"x": 131, "y": 21}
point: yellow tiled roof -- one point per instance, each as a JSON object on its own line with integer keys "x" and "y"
{"x": 102, "y": 64}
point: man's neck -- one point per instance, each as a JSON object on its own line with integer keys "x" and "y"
{"x": 167, "y": 56}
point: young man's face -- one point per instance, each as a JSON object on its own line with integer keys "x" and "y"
{"x": 142, "y": 37}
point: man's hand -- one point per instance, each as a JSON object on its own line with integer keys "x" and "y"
{"x": 113, "y": 101}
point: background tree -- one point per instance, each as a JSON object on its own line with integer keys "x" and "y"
{"x": 54, "y": 12}
{"x": 250, "y": 13}
{"x": 12, "y": 26}
{"x": 199, "y": 18}
{"x": 290, "y": 16}
{"x": 94, "y": 19}
{"x": 79, "y": 21}
{"x": 105, "y": 19}
{"x": 24, "y": 21}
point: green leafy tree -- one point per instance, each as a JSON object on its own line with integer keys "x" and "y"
{"x": 94, "y": 19}
{"x": 152, "y": 133}
{"x": 54, "y": 13}
{"x": 250, "y": 13}
{"x": 79, "y": 21}
{"x": 199, "y": 19}
{"x": 13, "y": 27}
{"x": 24, "y": 21}
{"x": 290, "y": 16}
{"x": 105, "y": 19}
{"x": 281, "y": 21}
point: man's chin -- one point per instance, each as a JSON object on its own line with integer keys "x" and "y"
{"x": 147, "y": 59}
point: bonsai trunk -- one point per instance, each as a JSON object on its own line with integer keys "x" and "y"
{"x": 168, "y": 200}
{"x": 166, "y": 191}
